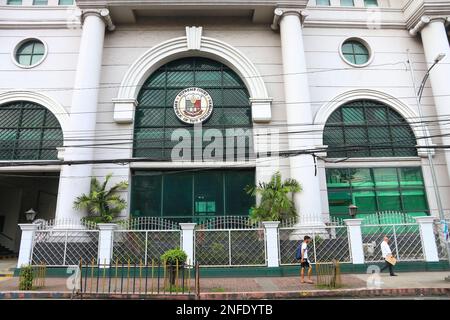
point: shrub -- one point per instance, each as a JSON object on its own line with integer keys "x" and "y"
{"x": 26, "y": 277}
{"x": 174, "y": 255}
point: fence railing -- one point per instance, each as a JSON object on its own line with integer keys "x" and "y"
{"x": 328, "y": 243}
{"x": 232, "y": 247}
{"x": 64, "y": 247}
{"x": 136, "y": 277}
{"x": 65, "y": 223}
{"x": 148, "y": 223}
{"x": 145, "y": 245}
{"x": 221, "y": 243}
{"x": 404, "y": 241}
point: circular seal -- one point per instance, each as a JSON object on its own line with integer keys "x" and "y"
{"x": 193, "y": 105}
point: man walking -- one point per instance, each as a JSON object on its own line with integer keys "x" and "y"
{"x": 387, "y": 255}
{"x": 304, "y": 261}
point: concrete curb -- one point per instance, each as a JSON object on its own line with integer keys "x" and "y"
{"x": 340, "y": 293}
{"x": 308, "y": 294}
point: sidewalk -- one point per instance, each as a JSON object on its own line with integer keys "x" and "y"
{"x": 354, "y": 285}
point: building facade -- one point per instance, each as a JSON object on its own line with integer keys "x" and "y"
{"x": 192, "y": 101}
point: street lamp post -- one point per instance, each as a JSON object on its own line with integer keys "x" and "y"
{"x": 429, "y": 155}
{"x": 418, "y": 96}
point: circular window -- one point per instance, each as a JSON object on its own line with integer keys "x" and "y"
{"x": 29, "y": 53}
{"x": 356, "y": 52}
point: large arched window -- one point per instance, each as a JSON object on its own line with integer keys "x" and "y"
{"x": 28, "y": 131}
{"x": 192, "y": 195}
{"x": 155, "y": 116}
{"x": 367, "y": 128}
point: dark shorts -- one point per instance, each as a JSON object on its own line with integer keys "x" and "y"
{"x": 305, "y": 263}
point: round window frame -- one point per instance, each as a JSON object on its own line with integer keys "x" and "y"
{"x": 21, "y": 43}
{"x": 365, "y": 44}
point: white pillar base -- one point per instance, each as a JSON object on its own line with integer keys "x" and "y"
{"x": 272, "y": 243}
{"x": 105, "y": 243}
{"x": 26, "y": 244}
{"x": 188, "y": 241}
{"x": 355, "y": 239}
{"x": 427, "y": 237}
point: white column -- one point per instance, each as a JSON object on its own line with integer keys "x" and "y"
{"x": 26, "y": 244}
{"x": 355, "y": 240}
{"x": 187, "y": 237}
{"x": 272, "y": 245}
{"x": 105, "y": 243}
{"x": 435, "y": 42}
{"x": 428, "y": 239}
{"x": 299, "y": 116}
{"x": 75, "y": 179}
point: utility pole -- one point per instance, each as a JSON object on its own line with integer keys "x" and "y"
{"x": 418, "y": 96}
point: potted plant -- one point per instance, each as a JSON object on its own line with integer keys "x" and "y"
{"x": 276, "y": 199}
{"x": 174, "y": 258}
{"x": 102, "y": 203}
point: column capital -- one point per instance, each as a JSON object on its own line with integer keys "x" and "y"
{"x": 424, "y": 21}
{"x": 187, "y": 226}
{"x": 107, "y": 226}
{"x": 28, "y": 226}
{"x": 271, "y": 224}
{"x": 425, "y": 219}
{"x": 102, "y": 13}
{"x": 279, "y": 13}
{"x": 353, "y": 222}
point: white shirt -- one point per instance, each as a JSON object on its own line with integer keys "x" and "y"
{"x": 305, "y": 250}
{"x": 385, "y": 250}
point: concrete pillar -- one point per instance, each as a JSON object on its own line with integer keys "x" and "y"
{"x": 435, "y": 42}
{"x": 188, "y": 240}
{"x": 105, "y": 243}
{"x": 272, "y": 243}
{"x": 26, "y": 244}
{"x": 355, "y": 240}
{"x": 428, "y": 239}
{"x": 75, "y": 179}
{"x": 299, "y": 116}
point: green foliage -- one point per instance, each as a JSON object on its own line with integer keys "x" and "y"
{"x": 276, "y": 199}
{"x": 318, "y": 239}
{"x": 102, "y": 204}
{"x": 26, "y": 277}
{"x": 174, "y": 255}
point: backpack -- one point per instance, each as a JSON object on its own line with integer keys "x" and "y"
{"x": 298, "y": 253}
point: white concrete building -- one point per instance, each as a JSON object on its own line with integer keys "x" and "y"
{"x": 94, "y": 83}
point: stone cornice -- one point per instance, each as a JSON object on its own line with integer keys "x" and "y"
{"x": 415, "y": 10}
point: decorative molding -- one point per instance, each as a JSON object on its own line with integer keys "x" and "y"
{"x": 124, "y": 110}
{"x": 25, "y": 95}
{"x": 172, "y": 49}
{"x": 415, "y": 10}
{"x": 103, "y": 13}
{"x": 54, "y": 107}
{"x": 404, "y": 110}
{"x": 194, "y": 37}
{"x": 424, "y": 20}
{"x": 281, "y": 12}
{"x": 261, "y": 110}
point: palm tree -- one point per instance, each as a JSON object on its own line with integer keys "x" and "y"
{"x": 102, "y": 204}
{"x": 276, "y": 199}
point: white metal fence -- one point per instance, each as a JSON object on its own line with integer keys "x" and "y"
{"x": 230, "y": 247}
{"x": 404, "y": 241}
{"x": 137, "y": 246}
{"x": 225, "y": 242}
{"x": 328, "y": 243}
{"x": 64, "y": 247}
